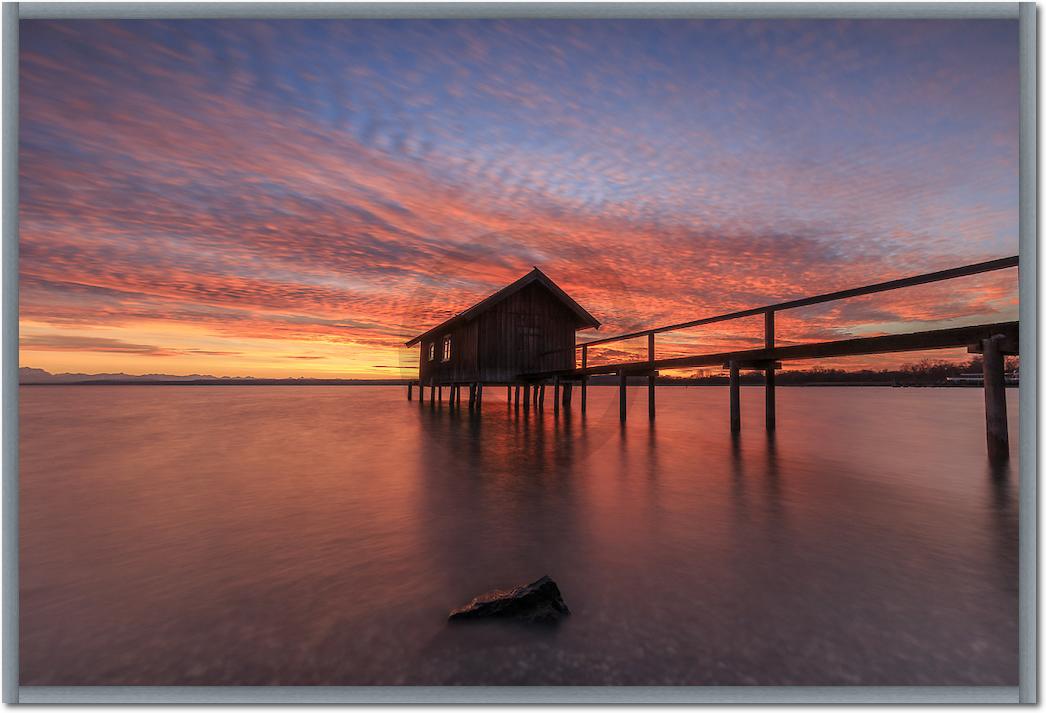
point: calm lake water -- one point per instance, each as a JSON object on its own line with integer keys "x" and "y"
{"x": 319, "y": 535}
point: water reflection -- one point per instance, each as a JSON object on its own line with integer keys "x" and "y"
{"x": 320, "y": 535}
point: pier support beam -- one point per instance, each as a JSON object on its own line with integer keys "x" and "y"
{"x": 769, "y": 339}
{"x": 622, "y": 394}
{"x": 439, "y": 392}
{"x": 421, "y": 392}
{"x": 735, "y": 397}
{"x": 515, "y": 398}
{"x": 541, "y": 397}
{"x": 410, "y": 391}
{"x": 584, "y": 380}
{"x": 526, "y": 397}
{"x": 771, "y": 399}
{"x": 479, "y": 394}
{"x": 652, "y": 378}
{"x": 993, "y": 365}
{"x": 555, "y": 395}
{"x": 568, "y": 393}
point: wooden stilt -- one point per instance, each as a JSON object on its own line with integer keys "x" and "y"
{"x": 541, "y": 397}
{"x": 622, "y": 394}
{"x": 735, "y": 397}
{"x": 515, "y": 400}
{"x": 994, "y": 366}
{"x": 568, "y": 393}
{"x": 421, "y": 392}
{"x": 771, "y": 377}
{"x": 479, "y": 394}
{"x": 440, "y": 393}
{"x": 555, "y": 395}
{"x": 652, "y": 378}
{"x": 472, "y": 396}
{"x": 526, "y": 396}
{"x": 508, "y": 394}
{"x": 771, "y": 398}
{"x": 584, "y": 379}
{"x": 432, "y": 392}
{"x": 410, "y": 391}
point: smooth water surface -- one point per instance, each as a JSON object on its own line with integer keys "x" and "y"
{"x": 301, "y": 535}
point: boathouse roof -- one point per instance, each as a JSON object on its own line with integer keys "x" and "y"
{"x": 585, "y": 320}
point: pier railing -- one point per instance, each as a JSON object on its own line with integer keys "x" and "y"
{"x": 768, "y": 311}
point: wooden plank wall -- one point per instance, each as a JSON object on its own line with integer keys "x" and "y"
{"x": 516, "y": 334}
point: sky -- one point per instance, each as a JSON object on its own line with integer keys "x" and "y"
{"x": 299, "y": 198}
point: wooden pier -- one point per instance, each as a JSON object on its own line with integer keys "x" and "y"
{"x": 993, "y": 341}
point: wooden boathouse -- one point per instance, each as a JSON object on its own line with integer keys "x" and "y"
{"x": 528, "y": 326}
{"x": 524, "y": 336}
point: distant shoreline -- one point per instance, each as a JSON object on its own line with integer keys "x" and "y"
{"x": 343, "y": 382}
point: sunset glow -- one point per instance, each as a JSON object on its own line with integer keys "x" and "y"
{"x": 300, "y": 198}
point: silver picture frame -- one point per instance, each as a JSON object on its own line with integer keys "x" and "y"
{"x": 1025, "y": 692}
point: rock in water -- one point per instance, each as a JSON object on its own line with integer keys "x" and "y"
{"x": 537, "y": 601}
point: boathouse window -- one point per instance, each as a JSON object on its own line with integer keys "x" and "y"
{"x": 446, "y": 348}
{"x": 432, "y": 351}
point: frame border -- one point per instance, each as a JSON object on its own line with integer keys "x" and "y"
{"x": 1026, "y": 692}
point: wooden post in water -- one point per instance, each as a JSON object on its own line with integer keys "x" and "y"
{"x": 410, "y": 391}
{"x": 508, "y": 394}
{"x": 555, "y": 395}
{"x": 735, "y": 397}
{"x": 653, "y": 375}
{"x": 993, "y": 363}
{"x": 479, "y": 394}
{"x": 568, "y": 393}
{"x": 771, "y": 396}
{"x": 432, "y": 392}
{"x": 584, "y": 379}
{"x": 439, "y": 393}
{"x": 541, "y": 397}
{"x": 421, "y": 392}
{"x": 515, "y": 398}
{"x": 526, "y": 397}
{"x": 622, "y": 396}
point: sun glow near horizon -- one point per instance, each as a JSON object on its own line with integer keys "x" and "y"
{"x": 298, "y": 198}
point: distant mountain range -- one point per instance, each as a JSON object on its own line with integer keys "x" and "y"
{"x": 28, "y": 375}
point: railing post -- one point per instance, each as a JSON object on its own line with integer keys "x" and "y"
{"x": 993, "y": 366}
{"x": 653, "y": 374}
{"x": 735, "y": 397}
{"x": 771, "y": 397}
{"x": 584, "y": 378}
